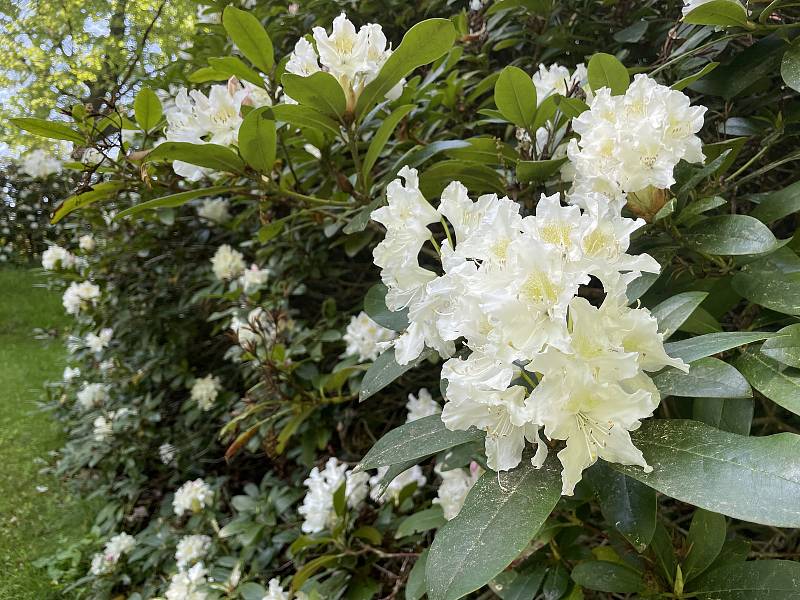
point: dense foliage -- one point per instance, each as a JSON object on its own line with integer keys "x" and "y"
{"x": 505, "y": 418}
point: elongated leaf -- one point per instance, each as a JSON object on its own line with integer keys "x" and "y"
{"x": 319, "y": 91}
{"x": 777, "y": 382}
{"x": 486, "y": 150}
{"x": 751, "y": 478}
{"x": 249, "y": 36}
{"x": 772, "y": 285}
{"x": 731, "y": 235}
{"x": 672, "y": 312}
{"x": 422, "y": 44}
{"x": 211, "y": 156}
{"x": 687, "y": 81}
{"x": 382, "y": 136}
{"x": 48, "y": 129}
{"x": 415, "y": 440}
{"x": 499, "y": 518}
{"x": 383, "y": 372}
{"x": 729, "y": 414}
{"x": 375, "y": 307}
{"x": 700, "y": 346}
{"x": 605, "y": 70}
{"x": 415, "y": 586}
{"x": 779, "y": 204}
{"x": 706, "y": 537}
{"x": 257, "y": 139}
{"x": 606, "y": 576}
{"x": 526, "y": 583}
{"x": 477, "y": 177}
{"x": 147, "y": 108}
{"x": 753, "y": 580}
{"x": 172, "y": 201}
{"x": 424, "y": 520}
{"x": 707, "y": 378}
{"x": 233, "y": 66}
{"x": 726, "y": 13}
{"x": 305, "y": 116}
{"x": 515, "y": 97}
{"x": 784, "y": 346}
{"x": 101, "y": 191}
{"x": 538, "y": 170}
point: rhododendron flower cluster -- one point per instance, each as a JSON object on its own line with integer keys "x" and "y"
{"x": 80, "y": 296}
{"x": 421, "y": 405}
{"x": 365, "y": 338}
{"x": 205, "y": 390}
{"x": 317, "y": 507}
{"x": 214, "y": 210}
{"x": 354, "y": 58}
{"x": 190, "y": 549}
{"x": 96, "y": 342}
{"x": 92, "y": 395}
{"x": 87, "y": 243}
{"x": 227, "y": 263}
{"x": 192, "y": 496}
{"x": 56, "y": 257}
{"x": 105, "y": 561}
{"x": 453, "y": 490}
{"x": 39, "y": 163}
{"x": 190, "y": 584}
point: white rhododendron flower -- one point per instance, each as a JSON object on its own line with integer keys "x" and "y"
{"x": 96, "y": 342}
{"x": 317, "y": 508}
{"x": 253, "y": 278}
{"x": 354, "y": 58}
{"x": 256, "y": 327}
{"x": 205, "y": 390}
{"x": 71, "y": 373}
{"x": 421, "y": 405}
{"x": 542, "y": 358}
{"x": 456, "y": 484}
{"x": 556, "y": 79}
{"x": 227, "y": 263}
{"x": 39, "y": 163}
{"x": 633, "y": 141}
{"x": 188, "y": 585}
{"x": 102, "y": 428}
{"x": 190, "y": 549}
{"x": 192, "y": 496}
{"x": 214, "y": 210}
{"x": 396, "y": 485}
{"x": 105, "y": 561}
{"x": 80, "y": 296}
{"x": 56, "y": 257}
{"x": 166, "y": 453}
{"x": 92, "y": 395}
{"x": 275, "y": 591}
{"x": 87, "y": 243}
{"x": 365, "y": 338}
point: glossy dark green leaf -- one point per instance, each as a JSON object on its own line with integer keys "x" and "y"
{"x": 773, "y": 282}
{"x": 776, "y": 205}
{"x": 249, "y": 36}
{"x": 415, "y": 586}
{"x": 606, "y": 71}
{"x": 383, "y": 372}
{"x": 707, "y": 378}
{"x": 375, "y": 307}
{"x": 424, "y": 520}
{"x": 672, "y": 312}
{"x": 172, "y": 201}
{"x": 538, "y": 170}
{"x": 753, "y": 580}
{"x": 705, "y": 540}
{"x": 382, "y": 136}
{"x": 701, "y": 346}
{"x": 731, "y": 235}
{"x": 784, "y": 346}
{"x": 687, "y": 81}
{"x": 305, "y": 116}
{"x": 779, "y": 383}
{"x": 725, "y": 13}
{"x": 477, "y": 177}
{"x": 515, "y": 97}
{"x": 319, "y": 91}
{"x": 729, "y": 414}
{"x": 604, "y": 576}
{"x": 257, "y": 139}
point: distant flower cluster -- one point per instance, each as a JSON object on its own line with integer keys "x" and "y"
{"x": 105, "y": 561}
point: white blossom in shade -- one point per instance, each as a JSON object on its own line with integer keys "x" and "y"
{"x": 80, "y": 296}
{"x": 396, "y": 485}
{"x": 205, "y": 391}
{"x": 275, "y": 591}
{"x": 556, "y": 79}
{"x": 166, "y": 453}
{"x": 56, "y": 257}
{"x": 71, "y": 373}
{"x": 105, "y": 561}
{"x": 96, "y": 342}
{"x": 92, "y": 395}
{"x": 87, "y": 243}
{"x": 192, "y": 496}
{"x": 188, "y": 585}
{"x": 190, "y": 549}
{"x": 214, "y": 210}
{"x": 102, "y": 428}
{"x": 257, "y": 327}
{"x": 253, "y": 278}
{"x": 365, "y": 338}
{"x": 39, "y": 164}
{"x": 421, "y": 405}
{"x": 453, "y": 490}
{"x": 303, "y": 60}
{"x": 633, "y": 141}
{"x": 317, "y": 508}
{"x": 227, "y": 263}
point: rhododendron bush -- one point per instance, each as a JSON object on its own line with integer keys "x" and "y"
{"x": 391, "y": 300}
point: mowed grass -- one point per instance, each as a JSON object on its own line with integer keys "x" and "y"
{"x": 33, "y": 523}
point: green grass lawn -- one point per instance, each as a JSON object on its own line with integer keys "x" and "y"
{"x": 33, "y": 523}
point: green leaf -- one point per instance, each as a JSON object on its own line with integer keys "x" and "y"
{"x": 101, "y": 191}
{"x": 538, "y": 170}
{"x": 340, "y": 500}
{"x": 311, "y": 567}
{"x": 249, "y": 36}
{"x": 375, "y": 307}
{"x": 731, "y": 235}
{"x": 500, "y": 516}
{"x": 626, "y": 504}
{"x": 790, "y": 66}
{"x": 48, "y": 129}
{"x": 476, "y": 177}
{"x": 664, "y": 553}
{"x": 487, "y": 150}
{"x": 251, "y": 590}
{"x": 755, "y": 479}
{"x": 305, "y": 116}
{"x": 753, "y": 580}
{"x": 605, "y": 70}
{"x": 368, "y": 533}
{"x": 773, "y": 282}
{"x": 604, "y": 576}
{"x": 687, "y": 81}
{"x": 777, "y": 382}
{"x": 422, "y": 44}
{"x": 383, "y": 372}
{"x": 210, "y": 156}
{"x": 257, "y": 139}
{"x": 672, "y": 312}
{"x": 784, "y": 346}
{"x": 319, "y": 91}
{"x": 382, "y": 136}
{"x": 415, "y": 586}
{"x": 413, "y": 441}
{"x": 172, "y": 201}
{"x": 233, "y": 66}
{"x": 526, "y": 583}
{"x": 515, "y": 97}
{"x": 424, "y": 520}
{"x": 726, "y": 13}
{"x": 705, "y": 539}
{"x": 689, "y": 350}
{"x": 729, "y": 414}
{"x": 206, "y": 74}
{"x": 147, "y": 108}
{"x": 776, "y": 205}
{"x": 707, "y": 378}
